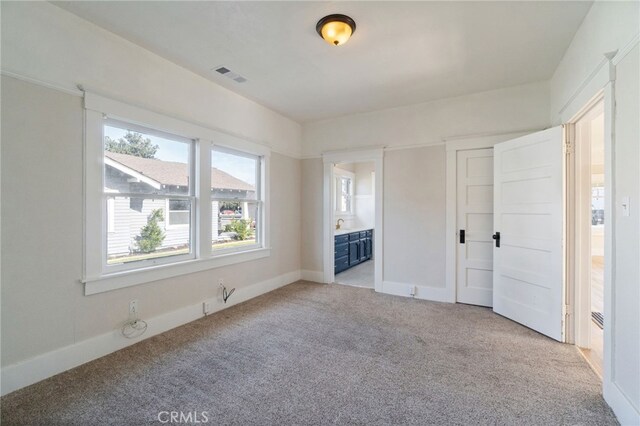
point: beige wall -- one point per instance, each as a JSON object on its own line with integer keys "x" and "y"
{"x": 43, "y": 305}
{"x": 608, "y": 27}
{"x": 613, "y": 26}
{"x": 626, "y": 296}
{"x": 508, "y": 110}
{"x": 46, "y": 43}
{"x": 312, "y": 184}
{"x": 364, "y": 195}
{"x": 414, "y": 216}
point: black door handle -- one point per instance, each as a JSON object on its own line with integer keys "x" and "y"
{"x": 462, "y": 236}
{"x": 496, "y": 237}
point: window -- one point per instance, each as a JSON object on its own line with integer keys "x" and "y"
{"x": 149, "y": 193}
{"x": 179, "y": 213}
{"x": 236, "y": 201}
{"x": 344, "y": 192}
{"x": 164, "y": 198}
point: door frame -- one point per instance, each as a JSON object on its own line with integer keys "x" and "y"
{"x": 579, "y": 320}
{"x": 330, "y": 159}
{"x": 453, "y": 145}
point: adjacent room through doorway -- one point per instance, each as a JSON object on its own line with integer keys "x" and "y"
{"x": 354, "y": 219}
{"x": 590, "y": 227}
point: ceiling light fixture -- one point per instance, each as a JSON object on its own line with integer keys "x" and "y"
{"x": 336, "y": 29}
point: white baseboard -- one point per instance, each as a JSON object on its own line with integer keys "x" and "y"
{"x": 33, "y": 370}
{"x": 624, "y": 410}
{"x": 436, "y": 294}
{"x": 314, "y": 276}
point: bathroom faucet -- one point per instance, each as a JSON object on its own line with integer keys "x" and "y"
{"x": 338, "y": 223}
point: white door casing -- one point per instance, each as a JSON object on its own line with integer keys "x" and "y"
{"x": 528, "y": 275}
{"x": 474, "y": 277}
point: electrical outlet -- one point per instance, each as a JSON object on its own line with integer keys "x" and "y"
{"x": 221, "y": 282}
{"x": 133, "y": 308}
{"x": 412, "y": 290}
{"x": 206, "y": 307}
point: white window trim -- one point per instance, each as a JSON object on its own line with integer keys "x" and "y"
{"x": 97, "y": 108}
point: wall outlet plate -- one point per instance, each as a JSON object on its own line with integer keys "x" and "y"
{"x": 206, "y": 307}
{"x": 412, "y": 290}
{"x": 133, "y": 308}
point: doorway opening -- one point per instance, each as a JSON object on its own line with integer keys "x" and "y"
{"x": 590, "y": 221}
{"x": 354, "y": 219}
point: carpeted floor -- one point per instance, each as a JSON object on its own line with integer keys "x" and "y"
{"x": 328, "y": 354}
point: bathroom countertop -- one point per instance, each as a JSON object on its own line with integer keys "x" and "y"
{"x": 343, "y": 231}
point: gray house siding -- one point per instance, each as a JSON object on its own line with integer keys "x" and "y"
{"x": 129, "y": 221}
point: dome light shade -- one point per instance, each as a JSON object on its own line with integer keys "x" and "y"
{"x": 336, "y": 29}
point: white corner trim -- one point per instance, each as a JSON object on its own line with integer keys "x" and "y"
{"x": 33, "y": 370}
{"x": 624, "y": 51}
{"x": 482, "y": 141}
{"x": 353, "y": 155}
{"x": 435, "y": 294}
{"x": 624, "y": 410}
{"x": 53, "y": 86}
{"x": 425, "y": 144}
{"x": 313, "y": 276}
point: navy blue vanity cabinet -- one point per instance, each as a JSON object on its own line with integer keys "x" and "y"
{"x": 352, "y": 249}
{"x": 362, "y": 250}
{"x": 341, "y": 253}
{"x": 354, "y": 252}
{"x": 369, "y": 245}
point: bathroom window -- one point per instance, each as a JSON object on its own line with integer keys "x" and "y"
{"x": 345, "y": 183}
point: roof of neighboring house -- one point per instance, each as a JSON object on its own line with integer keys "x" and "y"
{"x": 176, "y": 174}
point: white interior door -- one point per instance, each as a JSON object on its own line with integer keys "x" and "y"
{"x": 474, "y": 275}
{"x": 528, "y": 275}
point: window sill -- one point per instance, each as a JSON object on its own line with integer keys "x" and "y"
{"x": 124, "y": 279}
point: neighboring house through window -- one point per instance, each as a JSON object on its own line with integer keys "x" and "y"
{"x": 236, "y": 198}
{"x": 186, "y": 197}
{"x": 145, "y": 172}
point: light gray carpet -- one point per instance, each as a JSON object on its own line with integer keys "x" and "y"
{"x": 320, "y": 354}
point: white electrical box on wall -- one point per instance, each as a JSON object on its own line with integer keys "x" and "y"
{"x": 626, "y": 207}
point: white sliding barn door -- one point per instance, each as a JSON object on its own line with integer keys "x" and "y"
{"x": 474, "y": 180}
{"x": 528, "y": 275}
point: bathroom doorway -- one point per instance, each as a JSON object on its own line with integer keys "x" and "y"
{"x": 354, "y": 217}
{"x": 352, "y": 229}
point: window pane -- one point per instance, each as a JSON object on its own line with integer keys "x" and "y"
{"x": 138, "y": 162}
{"x": 179, "y": 212}
{"x": 343, "y": 194}
{"x": 234, "y": 224}
{"x": 234, "y": 176}
{"x": 140, "y": 230}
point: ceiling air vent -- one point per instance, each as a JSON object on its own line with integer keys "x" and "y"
{"x": 230, "y": 74}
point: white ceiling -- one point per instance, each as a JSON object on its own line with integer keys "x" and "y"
{"x": 402, "y": 53}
